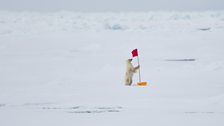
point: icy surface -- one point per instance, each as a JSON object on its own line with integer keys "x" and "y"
{"x": 67, "y": 68}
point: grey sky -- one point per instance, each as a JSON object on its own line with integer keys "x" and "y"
{"x": 111, "y": 5}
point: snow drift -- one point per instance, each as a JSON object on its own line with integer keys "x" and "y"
{"x": 67, "y": 68}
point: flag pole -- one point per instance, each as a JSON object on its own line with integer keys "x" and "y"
{"x": 139, "y": 73}
{"x": 134, "y": 54}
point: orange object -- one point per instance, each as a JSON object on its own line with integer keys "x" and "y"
{"x": 142, "y": 83}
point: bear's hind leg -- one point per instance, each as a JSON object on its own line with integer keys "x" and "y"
{"x": 128, "y": 81}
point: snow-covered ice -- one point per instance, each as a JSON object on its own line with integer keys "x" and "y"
{"x": 67, "y": 68}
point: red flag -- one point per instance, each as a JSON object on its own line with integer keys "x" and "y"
{"x": 134, "y": 52}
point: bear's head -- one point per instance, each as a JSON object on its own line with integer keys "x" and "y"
{"x": 129, "y": 60}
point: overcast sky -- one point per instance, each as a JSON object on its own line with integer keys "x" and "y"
{"x": 111, "y": 5}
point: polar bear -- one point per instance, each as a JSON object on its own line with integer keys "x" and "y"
{"x": 130, "y": 70}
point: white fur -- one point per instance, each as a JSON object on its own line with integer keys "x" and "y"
{"x": 130, "y": 70}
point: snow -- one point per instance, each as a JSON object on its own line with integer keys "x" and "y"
{"x": 67, "y": 68}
